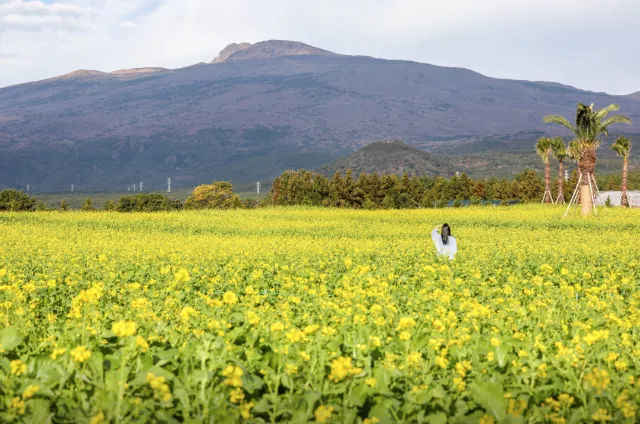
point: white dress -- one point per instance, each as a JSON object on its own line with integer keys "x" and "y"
{"x": 448, "y": 249}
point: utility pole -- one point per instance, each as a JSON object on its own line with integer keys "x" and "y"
{"x": 168, "y": 185}
{"x": 71, "y": 187}
{"x": 140, "y": 187}
{"x": 258, "y": 187}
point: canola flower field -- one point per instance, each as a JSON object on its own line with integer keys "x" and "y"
{"x": 319, "y": 315}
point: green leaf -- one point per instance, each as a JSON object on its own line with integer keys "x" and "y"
{"x": 286, "y": 381}
{"x": 501, "y": 355}
{"x": 438, "y": 392}
{"x": 358, "y": 395}
{"x": 489, "y": 396}
{"x": 40, "y": 411}
{"x": 96, "y": 365}
{"x": 311, "y": 398}
{"x": 10, "y": 338}
{"x": 141, "y": 378}
{"x": 261, "y": 406}
{"x": 181, "y": 394}
{"x": 437, "y": 418}
{"x": 49, "y": 373}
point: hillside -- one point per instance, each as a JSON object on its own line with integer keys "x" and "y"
{"x": 258, "y": 110}
{"x": 390, "y": 157}
{"x": 395, "y": 157}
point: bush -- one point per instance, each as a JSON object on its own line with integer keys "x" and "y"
{"x": 15, "y": 200}
{"x": 64, "y": 206}
{"x": 88, "y": 205}
{"x": 217, "y": 195}
{"x": 147, "y": 202}
{"x": 109, "y": 206}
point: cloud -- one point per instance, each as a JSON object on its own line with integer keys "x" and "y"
{"x": 21, "y": 15}
{"x": 39, "y": 8}
{"x": 577, "y": 42}
{"x": 129, "y": 25}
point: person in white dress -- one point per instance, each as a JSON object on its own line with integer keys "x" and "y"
{"x": 445, "y": 243}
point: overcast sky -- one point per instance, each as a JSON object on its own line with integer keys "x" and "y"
{"x": 585, "y": 43}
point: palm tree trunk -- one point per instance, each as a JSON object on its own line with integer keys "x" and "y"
{"x": 560, "y": 183}
{"x": 624, "y": 200}
{"x": 547, "y": 182}
{"x": 587, "y": 164}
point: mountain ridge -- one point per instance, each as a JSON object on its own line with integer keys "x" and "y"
{"x": 250, "y": 118}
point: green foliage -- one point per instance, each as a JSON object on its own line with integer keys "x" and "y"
{"x": 63, "y": 205}
{"x": 15, "y": 200}
{"x": 109, "y": 205}
{"x": 374, "y": 191}
{"x": 589, "y": 123}
{"x": 88, "y": 205}
{"x": 544, "y": 147}
{"x": 558, "y": 148}
{"x": 622, "y": 146}
{"x": 40, "y": 206}
{"x": 144, "y": 202}
{"x": 529, "y": 186}
{"x": 608, "y": 202}
{"x": 218, "y": 195}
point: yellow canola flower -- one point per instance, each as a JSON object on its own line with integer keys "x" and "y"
{"x": 18, "y": 367}
{"x": 323, "y": 413}
{"x": 341, "y": 368}
{"x": 80, "y": 354}
{"x": 124, "y": 328}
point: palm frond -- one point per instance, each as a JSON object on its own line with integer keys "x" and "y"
{"x": 558, "y": 147}
{"x": 573, "y": 150}
{"x": 544, "y": 148}
{"x": 618, "y": 119}
{"x": 559, "y": 120}
{"x": 622, "y": 146}
{"x": 606, "y": 110}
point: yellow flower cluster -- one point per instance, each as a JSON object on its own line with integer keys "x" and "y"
{"x": 320, "y": 315}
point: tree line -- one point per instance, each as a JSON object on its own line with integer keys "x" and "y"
{"x": 367, "y": 191}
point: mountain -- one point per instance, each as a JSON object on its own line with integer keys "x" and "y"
{"x": 635, "y": 95}
{"x": 258, "y": 110}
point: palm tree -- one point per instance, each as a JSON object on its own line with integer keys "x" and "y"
{"x": 560, "y": 153}
{"x": 590, "y": 125}
{"x": 622, "y": 147}
{"x": 544, "y": 149}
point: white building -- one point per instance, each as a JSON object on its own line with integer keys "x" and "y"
{"x": 615, "y": 196}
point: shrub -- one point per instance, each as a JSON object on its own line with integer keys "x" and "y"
{"x": 147, "y": 202}
{"x": 217, "y": 195}
{"x": 88, "y": 205}
{"x": 16, "y": 200}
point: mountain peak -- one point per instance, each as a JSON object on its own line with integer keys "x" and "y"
{"x": 266, "y": 50}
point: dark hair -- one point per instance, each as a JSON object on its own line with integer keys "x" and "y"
{"x": 445, "y": 232}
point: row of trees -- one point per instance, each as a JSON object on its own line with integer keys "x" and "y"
{"x": 589, "y": 128}
{"x": 388, "y": 191}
